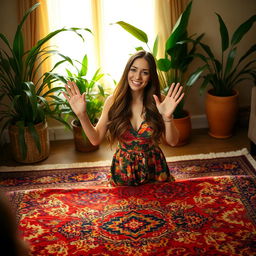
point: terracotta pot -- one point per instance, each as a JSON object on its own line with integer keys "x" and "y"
{"x": 82, "y": 144}
{"x": 184, "y": 127}
{"x": 33, "y": 155}
{"x": 221, "y": 114}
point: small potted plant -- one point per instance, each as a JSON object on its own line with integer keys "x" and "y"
{"x": 95, "y": 97}
{"x": 180, "y": 51}
{"x": 26, "y": 100}
{"x": 224, "y": 74}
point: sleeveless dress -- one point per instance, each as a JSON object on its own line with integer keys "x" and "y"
{"x": 137, "y": 160}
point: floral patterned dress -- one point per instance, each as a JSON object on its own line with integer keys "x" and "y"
{"x": 137, "y": 160}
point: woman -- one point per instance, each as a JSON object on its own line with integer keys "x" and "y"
{"x": 136, "y": 116}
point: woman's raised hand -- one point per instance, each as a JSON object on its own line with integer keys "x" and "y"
{"x": 75, "y": 99}
{"x": 170, "y": 102}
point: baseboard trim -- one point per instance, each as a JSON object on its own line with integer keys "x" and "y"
{"x": 199, "y": 122}
{"x": 62, "y": 133}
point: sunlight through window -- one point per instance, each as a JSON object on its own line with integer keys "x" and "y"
{"x": 116, "y": 44}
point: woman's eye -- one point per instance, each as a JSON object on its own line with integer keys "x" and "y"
{"x": 133, "y": 69}
{"x": 145, "y": 73}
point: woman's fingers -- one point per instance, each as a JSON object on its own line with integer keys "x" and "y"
{"x": 76, "y": 89}
{"x": 180, "y": 98}
{"x": 176, "y": 88}
{"x": 66, "y": 96}
{"x": 68, "y": 90}
{"x": 170, "y": 90}
{"x": 156, "y": 100}
{"x": 72, "y": 89}
{"x": 175, "y": 91}
{"x": 178, "y": 93}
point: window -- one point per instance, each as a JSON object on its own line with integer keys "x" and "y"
{"x": 118, "y": 44}
{"x": 115, "y": 43}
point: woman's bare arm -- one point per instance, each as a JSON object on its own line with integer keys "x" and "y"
{"x": 78, "y": 105}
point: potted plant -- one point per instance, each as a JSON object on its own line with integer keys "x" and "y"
{"x": 30, "y": 94}
{"x": 180, "y": 51}
{"x": 95, "y": 97}
{"x": 224, "y": 74}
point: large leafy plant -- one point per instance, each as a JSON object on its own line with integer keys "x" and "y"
{"x": 92, "y": 86}
{"x": 226, "y": 72}
{"x": 26, "y": 96}
{"x": 180, "y": 51}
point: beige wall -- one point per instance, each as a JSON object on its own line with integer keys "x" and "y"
{"x": 8, "y": 18}
{"x": 203, "y": 19}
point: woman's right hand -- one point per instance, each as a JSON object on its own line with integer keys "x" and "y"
{"x": 75, "y": 99}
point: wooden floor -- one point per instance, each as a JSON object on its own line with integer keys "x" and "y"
{"x": 200, "y": 142}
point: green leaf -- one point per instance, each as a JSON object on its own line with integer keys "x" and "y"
{"x": 164, "y": 64}
{"x": 180, "y": 29}
{"x": 21, "y": 139}
{"x": 230, "y": 61}
{"x": 3, "y": 37}
{"x": 136, "y": 32}
{"x": 18, "y": 42}
{"x": 35, "y": 136}
{"x": 139, "y": 48}
{"x": 204, "y": 84}
{"x": 195, "y": 75}
{"x": 223, "y": 33}
{"x": 207, "y": 49}
{"x": 31, "y": 95}
{"x": 242, "y": 30}
{"x": 84, "y": 67}
{"x": 155, "y": 47}
{"x": 251, "y": 50}
{"x": 18, "y": 48}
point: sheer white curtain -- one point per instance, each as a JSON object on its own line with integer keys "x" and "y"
{"x": 76, "y": 13}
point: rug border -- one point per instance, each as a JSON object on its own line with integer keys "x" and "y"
{"x": 244, "y": 152}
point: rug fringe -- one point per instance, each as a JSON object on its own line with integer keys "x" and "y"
{"x": 243, "y": 151}
{"x": 240, "y": 152}
{"x": 53, "y": 166}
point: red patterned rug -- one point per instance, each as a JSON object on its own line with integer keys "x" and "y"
{"x": 70, "y": 210}
{"x": 204, "y": 216}
{"x": 85, "y": 174}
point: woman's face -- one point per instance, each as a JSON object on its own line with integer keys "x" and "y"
{"x": 138, "y": 75}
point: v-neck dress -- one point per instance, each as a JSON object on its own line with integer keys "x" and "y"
{"x": 137, "y": 160}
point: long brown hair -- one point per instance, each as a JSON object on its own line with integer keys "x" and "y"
{"x": 120, "y": 111}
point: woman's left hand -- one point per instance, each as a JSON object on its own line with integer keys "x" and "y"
{"x": 170, "y": 102}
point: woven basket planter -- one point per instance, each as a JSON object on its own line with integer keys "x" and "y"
{"x": 33, "y": 155}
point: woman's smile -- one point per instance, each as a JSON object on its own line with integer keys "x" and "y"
{"x": 139, "y": 75}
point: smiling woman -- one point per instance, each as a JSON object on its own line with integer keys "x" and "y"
{"x": 109, "y": 46}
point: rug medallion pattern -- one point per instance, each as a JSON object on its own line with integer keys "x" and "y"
{"x": 204, "y": 216}
{"x": 209, "y": 210}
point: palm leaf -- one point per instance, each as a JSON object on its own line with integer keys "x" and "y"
{"x": 21, "y": 138}
{"x": 139, "y": 34}
{"x": 223, "y": 33}
{"x": 35, "y": 136}
{"x": 242, "y": 30}
{"x": 230, "y": 61}
{"x": 155, "y": 46}
{"x": 179, "y": 30}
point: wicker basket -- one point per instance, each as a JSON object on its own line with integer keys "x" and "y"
{"x": 33, "y": 155}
